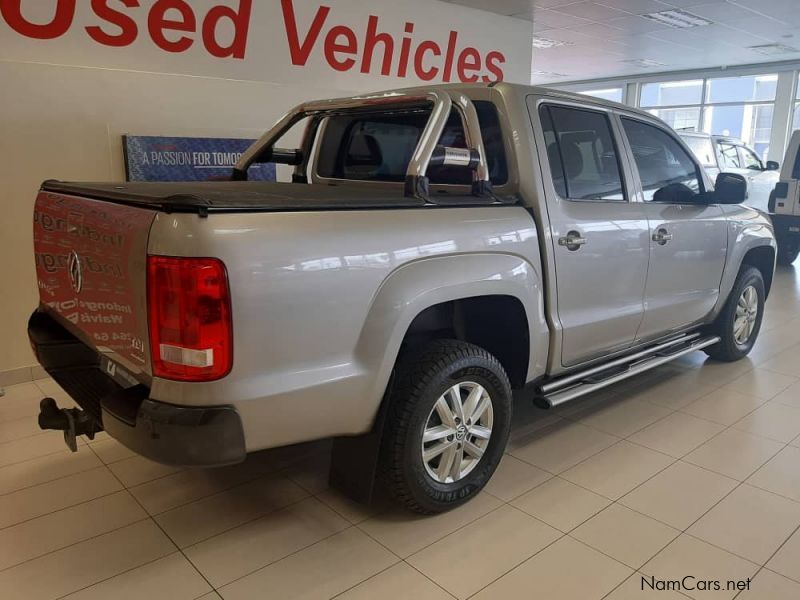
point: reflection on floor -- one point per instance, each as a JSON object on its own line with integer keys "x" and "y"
{"x": 692, "y": 470}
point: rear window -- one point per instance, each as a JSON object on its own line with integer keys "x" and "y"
{"x": 702, "y": 148}
{"x": 379, "y": 146}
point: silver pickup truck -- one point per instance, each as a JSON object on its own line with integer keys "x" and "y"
{"x": 436, "y": 248}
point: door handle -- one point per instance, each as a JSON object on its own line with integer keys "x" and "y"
{"x": 572, "y": 241}
{"x": 662, "y": 236}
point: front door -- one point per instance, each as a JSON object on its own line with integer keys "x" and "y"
{"x": 688, "y": 237}
{"x": 599, "y": 237}
{"x": 760, "y": 181}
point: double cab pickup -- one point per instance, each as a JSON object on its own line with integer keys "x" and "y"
{"x": 435, "y": 249}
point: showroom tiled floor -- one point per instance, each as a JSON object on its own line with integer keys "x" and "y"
{"x": 692, "y": 470}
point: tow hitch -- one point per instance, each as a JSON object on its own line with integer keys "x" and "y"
{"x": 72, "y": 421}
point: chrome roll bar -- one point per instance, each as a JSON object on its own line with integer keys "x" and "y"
{"x": 416, "y": 175}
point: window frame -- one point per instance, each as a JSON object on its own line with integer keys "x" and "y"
{"x": 743, "y": 149}
{"x": 607, "y": 116}
{"x": 699, "y": 170}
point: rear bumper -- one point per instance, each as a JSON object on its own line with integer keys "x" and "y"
{"x": 787, "y": 227}
{"x": 176, "y": 435}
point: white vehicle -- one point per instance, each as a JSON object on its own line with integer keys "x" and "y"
{"x": 723, "y": 154}
{"x": 784, "y": 205}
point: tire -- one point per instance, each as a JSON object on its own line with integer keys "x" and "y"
{"x": 422, "y": 380}
{"x": 787, "y": 253}
{"x": 731, "y": 346}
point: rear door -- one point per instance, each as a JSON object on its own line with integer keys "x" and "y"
{"x": 91, "y": 270}
{"x": 599, "y": 237}
{"x": 760, "y": 182}
{"x": 687, "y": 237}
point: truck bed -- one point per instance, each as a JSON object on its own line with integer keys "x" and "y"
{"x": 258, "y": 196}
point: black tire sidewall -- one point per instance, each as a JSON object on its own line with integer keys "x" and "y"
{"x": 729, "y": 349}
{"x": 428, "y": 493}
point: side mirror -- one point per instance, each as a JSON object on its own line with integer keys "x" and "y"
{"x": 730, "y": 188}
{"x": 773, "y": 165}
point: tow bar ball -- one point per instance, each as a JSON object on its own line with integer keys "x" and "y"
{"x": 72, "y": 421}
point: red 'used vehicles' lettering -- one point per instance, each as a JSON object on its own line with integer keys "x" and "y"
{"x": 429, "y": 60}
{"x": 175, "y": 26}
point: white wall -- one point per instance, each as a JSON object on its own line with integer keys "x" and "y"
{"x": 65, "y": 101}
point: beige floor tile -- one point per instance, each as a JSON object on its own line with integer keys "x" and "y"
{"x": 623, "y": 534}
{"x": 249, "y": 547}
{"x": 734, "y": 453}
{"x": 690, "y": 556}
{"x": 37, "y": 446}
{"x": 623, "y": 417}
{"x": 790, "y": 396}
{"x": 617, "y": 470}
{"x": 679, "y": 495}
{"x": 171, "y": 577}
{"x": 676, "y": 390}
{"x": 310, "y": 473}
{"x": 787, "y": 560}
{"x": 485, "y": 550}
{"x": 63, "y": 528}
{"x": 180, "y": 488}
{"x": 337, "y": 564}
{"x": 514, "y": 477}
{"x": 771, "y": 586}
{"x": 18, "y": 428}
{"x": 110, "y": 450}
{"x": 784, "y": 363}
{"x": 642, "y": 587}
{"x": 566, "y": 570}
{"x": 719, "y": 373}
{"x": 48, "y": 468}
{"x": 749, "y": 522}
{"x": 761, "y": 383}
{"x": 563, "y": 445}
{"x": 775, "y": 421}
{"x": 561, "y": 504}
{"x": 404, "y": 532}
{"x": 353, "y": 511}
{"x": 137, "y": 470}
{"x": 200, "y": 520}
{"x": 677, "y": 434}
{"x": 20, "y": 401}
{"x": 723, "y": 406}
{"x": 39, "y": 500}
{"x": 781, "y": 474}
{"x": 400, "y": 582}
{"x": 76, "y": 567}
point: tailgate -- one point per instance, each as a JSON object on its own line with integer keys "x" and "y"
{"x": 91, "y": 270}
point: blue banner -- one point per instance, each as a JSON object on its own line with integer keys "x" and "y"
{"x": 157, "y": 158}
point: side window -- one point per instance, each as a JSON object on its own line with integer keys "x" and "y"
{"x": 728, "y": 156}
{"x": 703, "y": 149}
{"x": 582, "y": 154}
{"x": 750, "y": 160}
{"x": 667, "y": 172}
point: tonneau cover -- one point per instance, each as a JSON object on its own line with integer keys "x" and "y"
{"x": 258, "y": 196}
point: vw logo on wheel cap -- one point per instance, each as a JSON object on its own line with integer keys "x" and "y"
{"x": 74, "y": 270}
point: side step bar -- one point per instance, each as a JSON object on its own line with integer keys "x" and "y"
{"x": 596, "y": 378}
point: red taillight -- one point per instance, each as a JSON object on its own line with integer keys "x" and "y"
{"x": 189, "y": 308}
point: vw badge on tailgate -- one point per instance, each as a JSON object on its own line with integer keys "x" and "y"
{"x": 74, "y": 269}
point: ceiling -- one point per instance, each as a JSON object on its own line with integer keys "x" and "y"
{"x": 596, "y": 37}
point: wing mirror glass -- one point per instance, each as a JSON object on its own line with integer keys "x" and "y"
{"x": 730, "y": 188}
{"x": 773, "y": 165}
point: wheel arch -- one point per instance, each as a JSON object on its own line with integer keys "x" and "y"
{"x": 430, "y": 297}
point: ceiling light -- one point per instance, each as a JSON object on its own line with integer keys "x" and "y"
{"x": 542, "y": 43}
{"x": 771, "y": 49}
{"x": 645, "y": 63}
{"x": 548, "y": 74}
{"x": 679, "y": 19}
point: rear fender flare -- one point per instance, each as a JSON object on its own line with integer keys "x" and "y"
{"x": 418, "y": 285}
